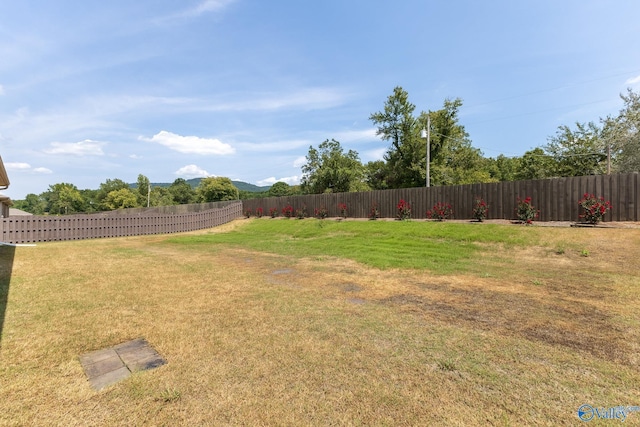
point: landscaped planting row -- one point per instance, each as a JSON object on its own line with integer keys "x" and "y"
{"x": 593, "y": 210}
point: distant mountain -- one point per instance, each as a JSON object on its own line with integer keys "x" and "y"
{"x": 240, "y": 185}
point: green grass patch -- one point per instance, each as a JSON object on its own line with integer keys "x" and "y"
{"x": 439, "y": 247}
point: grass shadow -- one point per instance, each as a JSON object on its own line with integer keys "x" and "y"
{"x": 7, "y": 254}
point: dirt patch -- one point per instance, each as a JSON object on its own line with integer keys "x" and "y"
{"x": 556, "y": 321}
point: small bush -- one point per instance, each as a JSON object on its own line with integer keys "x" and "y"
{"x": 440, "y": 211}
{"x": 321, "y": 213}
{"x": 480, "y": 209}
{"x": 374, "y": 213}
{"x": 287, "y": 211}
{"x": 273, "y": 212}
{"x": 247, "y": 213}
{"x": 302, "y": 212}
{"x": 259, "y": 212}
{"x": 525, "y": 211}
{"x": 403, "y": 209}
{"x": 342, "y": 208}
{"x": 593, "y": 208}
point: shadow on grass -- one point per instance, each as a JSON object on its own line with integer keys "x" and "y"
{"x": 6, "y": 266}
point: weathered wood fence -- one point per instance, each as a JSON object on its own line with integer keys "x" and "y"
{"x": 31, "y": 229}
{"x": 557, "y": 198}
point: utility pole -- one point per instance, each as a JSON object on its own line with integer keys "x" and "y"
{"x": 148, "y": 194}
{"x": 426, "y": 133}
{"x": 609, "y": 158}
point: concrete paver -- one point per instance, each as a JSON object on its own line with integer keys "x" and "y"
{"x": 108, "y": 366}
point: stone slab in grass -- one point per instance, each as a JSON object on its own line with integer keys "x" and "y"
{"x": 108, "y": 366}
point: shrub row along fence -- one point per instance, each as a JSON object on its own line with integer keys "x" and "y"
{"x": 32, "y": 229}
{"x": 556, "y": 199}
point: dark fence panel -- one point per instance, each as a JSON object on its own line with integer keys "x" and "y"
{"x": 556, "y": 198}
{"x": 30, "y": 229}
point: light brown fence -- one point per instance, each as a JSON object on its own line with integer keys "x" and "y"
{"x": 557, "y": 198}
{"x": 31, "y": 229}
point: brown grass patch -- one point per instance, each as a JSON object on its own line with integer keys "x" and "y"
{"x": 258, "y": 339}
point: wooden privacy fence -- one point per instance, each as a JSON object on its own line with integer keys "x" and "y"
{"x": 557, "y": 198}
{"x": 31, "y": 229}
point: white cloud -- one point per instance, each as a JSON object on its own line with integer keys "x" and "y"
{"x": 20, "y": 166}
{"x": 205, "y": 6}
{"x": 633, "y": 80}
{"x": 190, "y": 144}
{"x": 208, "y": 6}
{"x": 372, "y": 155}
{"x": 192, "y": 171}
{"x": 281, "y": 145}
{"x": 135, "y": 156}
{"x": 305, "y": 99}
{"x": 291, "y": 180}
{"x": 366, "y": 135}
{"x": 17, "y": 166}
{"x": 299, "y": 162}
{"x": 1, "y": 90}
{"x": 82, "y": 148}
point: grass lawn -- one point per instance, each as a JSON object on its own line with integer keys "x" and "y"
{"x": 287, "y": 322}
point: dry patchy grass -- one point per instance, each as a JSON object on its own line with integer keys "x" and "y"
{"x": 525, "y": 337}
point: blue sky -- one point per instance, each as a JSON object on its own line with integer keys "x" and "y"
{"x": 97, "y": 90}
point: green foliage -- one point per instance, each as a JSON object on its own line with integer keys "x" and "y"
{"x": 161, "y": 196}
{"x": 215, "y": 189}
{"x": 525, "y": 211}
{"x": 480, "y": 209}
{"x": 623, "y": 134}
{"x": 143, "y": 190}
{"x": 504, "y": 168}
{"x": 63, "y": 198}
{"x": 440, "y": 211}
{"x": 535, "y": 164}
{"x": 32, "y": 203}
{"x": 376, "y": 173}
{"x": 578, "y": 152}
{"x": 279, "y": 189}
{"x": 329, "y": 169}
{"x": 453, "y": 159}
{"x": 396, "y": 122}
{"x": 403, "y": 210}
{"x": 107, "y": 187}
{"x": 182, "y": 192}
{"x": 593, "y": 208}
{"x": 121, "y": 199}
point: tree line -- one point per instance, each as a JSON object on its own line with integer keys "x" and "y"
{"x": 611, "y": 144}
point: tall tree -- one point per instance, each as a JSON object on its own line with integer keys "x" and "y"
{"x": 160, "y": 196}
{"x": 63, "y": 198}
{"x": 107, "y": 187}
{"x": 396, "y": 122}
{"x": 121, "y": 199}
{"x": 143, "y": 190}
{"x": 330, "y": 169}
{"x": 182, "y": 192}
{"x": 452, "y": 158}
{"x": 577, "y": 152}
{"x": 622, "y": 134}
{"x": 279, "y": 189}
{"x": 535, "y": 164}
{"x": 32, "y": 203}
{"x": 214, "y": 189}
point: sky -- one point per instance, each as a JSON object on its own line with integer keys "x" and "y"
{"x": 97, "y": 90}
